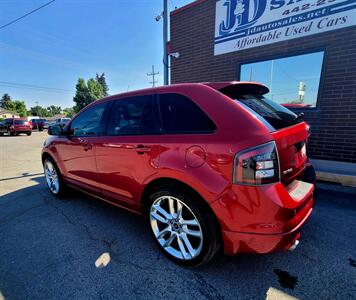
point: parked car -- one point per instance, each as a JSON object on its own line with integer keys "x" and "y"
{"x": 296, "y": 105}
{"x": 39, "y": 124}
{"x": 209, "y": 166}
{"x": 15, "y": 126}
{"x": 62, "y": 121}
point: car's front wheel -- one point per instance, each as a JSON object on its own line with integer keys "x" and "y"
{"x": 54, "y": 179}
{"x": 183, "y": 227}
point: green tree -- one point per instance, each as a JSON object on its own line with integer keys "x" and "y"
{"x": 69, "y": 112}
{"x": 102, "y": 80}
{"x": 54, "y": 110}
{"x": 81, "y": 97}
{"x": 18, "y": 107}
{"x": 86, "y": 93}
{"x": 96, "y": 90}
{"x": 39, "y": 111}
{"x": 5, "y": 101}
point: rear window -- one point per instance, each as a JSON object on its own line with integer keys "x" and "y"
{"x": 276, "y": 115}
{"x": 19, "y": 122}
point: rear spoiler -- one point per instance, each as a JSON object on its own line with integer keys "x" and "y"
{"x": 231, "y": 89}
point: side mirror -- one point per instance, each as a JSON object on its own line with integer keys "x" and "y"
{"x": 55, "y": 130}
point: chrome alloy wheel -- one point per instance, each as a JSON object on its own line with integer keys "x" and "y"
{"x": 51, "y": 176}
{"x": 176, "y": 228}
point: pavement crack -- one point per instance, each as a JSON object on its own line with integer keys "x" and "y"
{"x": 206, "y": 289}
{"x": 71, "y": 221}
{"x": 12, "y": 216}
{"x": 352, "y": 262}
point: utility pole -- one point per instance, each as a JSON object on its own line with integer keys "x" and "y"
{"x": 37, "y": 112}
{"x": 153, "y": 74}
{"x": 165, "y": 39}
{"x": 301, "y": 92}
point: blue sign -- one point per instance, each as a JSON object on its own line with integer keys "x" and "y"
{"x": 244, "y": 24}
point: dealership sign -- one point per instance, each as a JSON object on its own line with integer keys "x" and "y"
{"x": 243, "y": 24}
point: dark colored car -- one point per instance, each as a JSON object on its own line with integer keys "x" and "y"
{"x": 15, "y": 126}
{"x": 209, "y": 166}
{"x": 39, "y": 124}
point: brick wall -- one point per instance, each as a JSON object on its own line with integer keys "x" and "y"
{"x": 333, "y": 122}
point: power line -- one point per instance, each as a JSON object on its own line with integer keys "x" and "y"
{"x": 174, "y": 7}
{"x": 24, "y": 85}
{"x": 35, "y": 87}
{"x": 25, "y": 15}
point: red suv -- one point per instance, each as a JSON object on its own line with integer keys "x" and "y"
{"x": 209, "y": 166}
{"x": 15, "y": 126}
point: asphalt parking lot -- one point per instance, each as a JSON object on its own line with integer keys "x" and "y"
{"x": 49, "y": 247}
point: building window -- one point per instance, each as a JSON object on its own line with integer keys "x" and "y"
{"x": 293, "y": 80}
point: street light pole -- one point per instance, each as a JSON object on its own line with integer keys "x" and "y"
{"x": 165, "y": 39}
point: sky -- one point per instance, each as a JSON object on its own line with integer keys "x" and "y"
{"x": 69, "y": 39}
{"x": 287, "y": 73}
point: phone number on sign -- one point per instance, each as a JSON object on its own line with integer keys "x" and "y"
{"x": 303, "y": 7}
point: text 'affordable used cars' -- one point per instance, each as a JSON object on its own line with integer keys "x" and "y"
{"x": 210, "y": 166}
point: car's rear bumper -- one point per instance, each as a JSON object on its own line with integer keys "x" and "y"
{"x": 240, "y": 242}
{"x": 262, "y": 219}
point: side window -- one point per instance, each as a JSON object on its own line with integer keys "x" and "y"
{"x": 132, "y": 116}
{"x": 89, "y": 121}
{"x": 181, "y": 115}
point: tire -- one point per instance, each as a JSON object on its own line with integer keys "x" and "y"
{"x": 29, "y": 133}
{"x": 1, "y": 133}
{"x": 170, "y": 231}
{"x": 60, "y": 189}
{"x": 40, "y": 129}
{"x": 11, "y": 133}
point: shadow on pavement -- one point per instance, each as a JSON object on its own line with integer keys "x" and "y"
{"x": 49, "y": 249}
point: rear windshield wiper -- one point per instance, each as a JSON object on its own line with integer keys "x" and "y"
{"x": 299, "y": 117}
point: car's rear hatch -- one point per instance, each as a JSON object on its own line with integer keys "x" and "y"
{"x": 21, "y": 125}
{"x": 288, "y": 130}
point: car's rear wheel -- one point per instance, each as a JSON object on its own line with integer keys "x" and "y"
{"x": 29, "y": 133}
{"x": 182, "y": 226}
{"x": 11, "y": 133}
{"x": 54, "y": 179}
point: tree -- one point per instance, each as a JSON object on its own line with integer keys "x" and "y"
{"x": 81, "y": 97}
{"x": 39, "y": 111}
{"x": 54, "y": 110}
{"x": 102, "y": 80}
{"x": 86, "y": 93}
{"x": 69, "y": 112}
{"x": 96, "y": 90}
{"x": 5, "y": 101}
{"x": 18, "y": 107}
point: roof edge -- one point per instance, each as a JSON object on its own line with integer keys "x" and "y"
{"x": 187, "y": 6}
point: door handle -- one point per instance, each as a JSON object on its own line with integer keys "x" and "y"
{"x": 141, "y": 149}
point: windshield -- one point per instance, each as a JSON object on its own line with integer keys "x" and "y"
{"x": 276, "y": 115}
{"x": 19, "y": 122}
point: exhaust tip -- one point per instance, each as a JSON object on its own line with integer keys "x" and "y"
{"x": 294, "y": 245}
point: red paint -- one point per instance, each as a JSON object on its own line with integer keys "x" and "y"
{"x": 10, "y": 125}
{"x": 257, "y": 219}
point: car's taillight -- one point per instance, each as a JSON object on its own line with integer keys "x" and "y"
{"x": 258, "y": 165}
